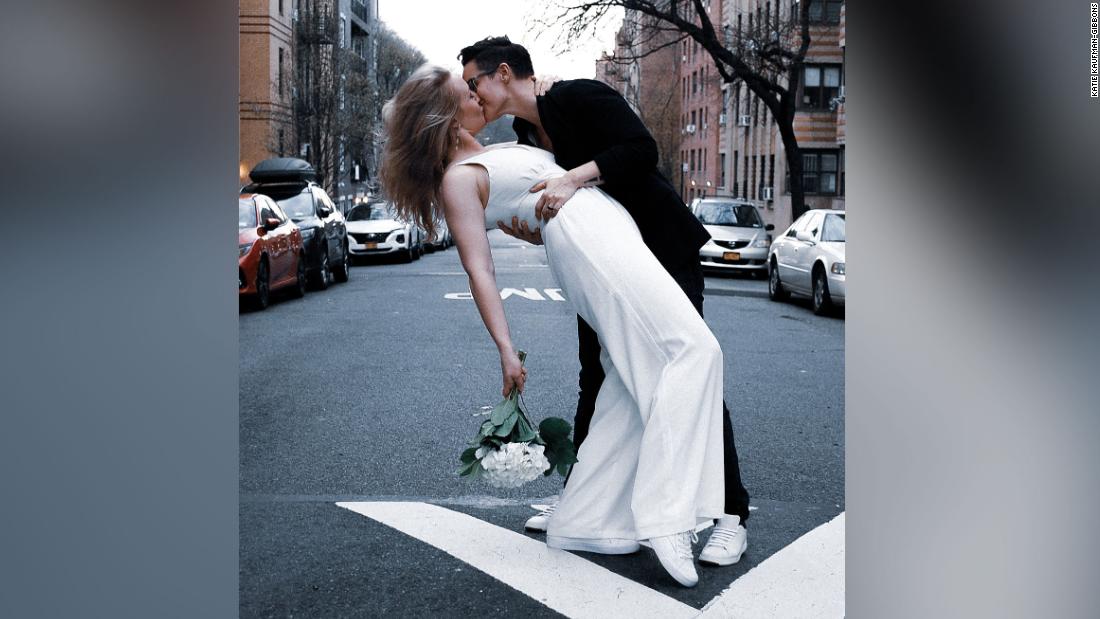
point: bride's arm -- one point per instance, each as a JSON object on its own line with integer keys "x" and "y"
{"x": 465, "y": 214}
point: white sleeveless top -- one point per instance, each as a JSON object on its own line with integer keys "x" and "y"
{"x": 513, "y": 169}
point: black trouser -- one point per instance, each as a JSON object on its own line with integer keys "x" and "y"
{"x": 690, "y": 279}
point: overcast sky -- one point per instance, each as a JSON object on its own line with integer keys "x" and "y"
{"x": 440, "y": 28}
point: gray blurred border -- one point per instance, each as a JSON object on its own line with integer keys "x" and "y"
{"x": 972, "y": 426}
{"x": 119, "y": 438}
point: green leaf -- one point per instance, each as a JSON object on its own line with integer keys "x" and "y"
{"x": 487, "y": 428}
{"x": 506, "y": 407}
{"x": 469, "y": 468}
{"x": 469, "y": 455}
{"x": 553, "y": 427}
{"x": 506, "y": 427}
{"x": 563, "y": 469}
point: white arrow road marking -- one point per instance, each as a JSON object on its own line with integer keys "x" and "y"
{"x": 531, "y": 294}
{"x": 562, "y": 581}
{"x": 804, "y": 579}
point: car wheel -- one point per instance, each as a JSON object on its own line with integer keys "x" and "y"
{"x": 324, "y": 274}
{"x": 776, "y": 291}
{"x": 300, "y": 282}
{"x": 263, "y": 286}
{"x": 823, "y": 303}
{"x": 343, "y": 270}
{"x": 409, "y": 255}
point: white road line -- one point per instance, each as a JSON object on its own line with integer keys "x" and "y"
{"x": 562, "y": 581}
{"x": 804, "y": 579}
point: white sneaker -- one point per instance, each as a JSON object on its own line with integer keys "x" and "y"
{"x": 726, "y": 544}
{"x": 539, "y": 521}
{"x": 674, "y": 553}
{"x": 606, "y": 546}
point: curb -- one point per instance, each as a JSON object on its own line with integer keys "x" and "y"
{"x": 733, "y": 292}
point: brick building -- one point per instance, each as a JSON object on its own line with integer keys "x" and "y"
{"x": 756, "y": 167}
{"x": 645, "y": 61}
{"x": 702, "y": 120}
{"x": 266, "y": 69}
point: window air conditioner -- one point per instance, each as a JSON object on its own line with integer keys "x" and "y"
{"x": 721, "y": 119}
{"x": 690, "y": 128}
{"x": 744, "y": 120}
{"x": 766, "y": 193}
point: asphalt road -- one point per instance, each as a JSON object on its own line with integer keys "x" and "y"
{"x": 368, "y": 392}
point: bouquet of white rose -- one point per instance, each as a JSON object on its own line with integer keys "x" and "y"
{"x": 509, "y": 452}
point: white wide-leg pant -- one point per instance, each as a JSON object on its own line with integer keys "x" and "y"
{"x": 652, "y": 462}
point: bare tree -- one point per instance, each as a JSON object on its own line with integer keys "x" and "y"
{"x": 767, "y": 56}
{"x": 319, "y": 103}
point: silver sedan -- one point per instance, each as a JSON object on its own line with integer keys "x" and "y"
{"x": 808, "y": 259}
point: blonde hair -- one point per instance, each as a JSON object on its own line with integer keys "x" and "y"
{"x": 418, "y": 137}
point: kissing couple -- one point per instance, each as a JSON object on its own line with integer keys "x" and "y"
{"x": 656, "y": 454}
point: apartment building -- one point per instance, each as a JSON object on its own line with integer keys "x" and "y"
{"x": 755, "y": 165}
{"x": 646, "y": 60}
{"x": 703, "y": 164}
{"x": 266, "y": 68}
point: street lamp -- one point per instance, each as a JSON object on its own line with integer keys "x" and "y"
{"x": 707, "y": 190}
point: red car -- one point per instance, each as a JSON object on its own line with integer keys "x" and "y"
{"x": 270, "y": 251}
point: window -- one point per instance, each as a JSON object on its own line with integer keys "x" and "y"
{"x": 771, "y": 170}
{"x": 343, "y": 29}
{"x": 704, "y": 160}
{"x": 282, "y": 147}
{"x": 693, "y": 160}
{"x": 813, "y": 225}
{"x": 745, "y": 181}
{"x": 840, "y": 191}
{"x": 801, "y": 223}
{"x": 825, "y": 11}
{"x": 834, "y": 229}
{"x": 735, "y": 155}
{"x": 819, "y": 171}
{"x": 722, "y": 170}
{"x": 820, "y": 84}
{"x": 755, "y": 159}
{"x": 282, "y": 52}
{"x": 693, "y": 117}
{"x": 694, "y": 82}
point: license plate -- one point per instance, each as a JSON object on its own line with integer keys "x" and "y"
{"x": 371, "y": 245}
{"x": 731, "y": 255}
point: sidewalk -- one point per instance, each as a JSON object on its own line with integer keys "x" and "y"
{"x": 735, "y": 285}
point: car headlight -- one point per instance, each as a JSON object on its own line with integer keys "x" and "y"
{"x": 400, "y": 238}
{"x": 243, "y": 249}
{"x": 307, "y": 233}
{"x": 762, "y": 243}
{"x": 838, "y": 268}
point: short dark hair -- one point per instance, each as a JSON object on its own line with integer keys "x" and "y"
{"x": 490, "y": 52}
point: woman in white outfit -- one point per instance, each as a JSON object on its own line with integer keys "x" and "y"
{"x": 651, "y": 467}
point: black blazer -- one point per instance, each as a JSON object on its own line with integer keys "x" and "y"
{"x": 587, "y": 121}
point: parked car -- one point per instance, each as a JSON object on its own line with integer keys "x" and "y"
{"x": 442, "y": 238}
{"x": 290, "y": 182}
{"x": 373, "y": 230}
{"x": 269, "y": 250}
{"x": 739, "y": 238}
{"x": 809, "y": 260}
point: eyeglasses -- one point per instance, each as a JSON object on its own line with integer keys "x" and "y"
{"x": 472, "y": 82}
